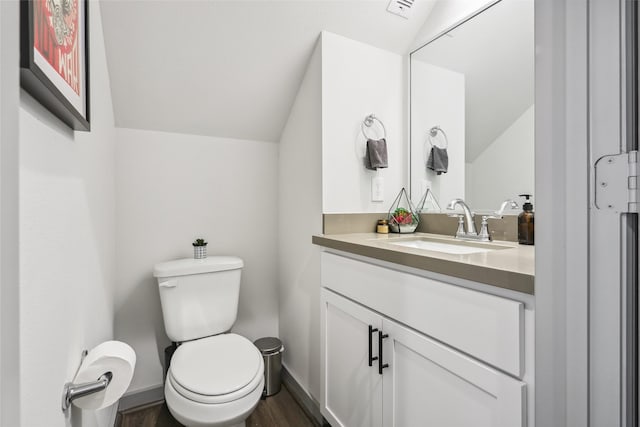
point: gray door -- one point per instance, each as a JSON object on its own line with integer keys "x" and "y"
{"x": 586, "y": 220}
{"x": 613, "y": 217}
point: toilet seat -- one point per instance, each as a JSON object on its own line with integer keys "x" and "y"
{"x": 217, "y": 369}
{"x": 194, "y": 414}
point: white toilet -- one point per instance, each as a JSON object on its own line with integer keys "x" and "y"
{"x": 215, "y": 378}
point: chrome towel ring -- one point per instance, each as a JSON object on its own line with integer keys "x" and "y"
{"x": 433, "y": 132}
{"x": 368, "y": 122}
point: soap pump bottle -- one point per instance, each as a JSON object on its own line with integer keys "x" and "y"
{"x": 525, "y": 222}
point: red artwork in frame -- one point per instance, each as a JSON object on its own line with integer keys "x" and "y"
{"x": 54, "y": 57}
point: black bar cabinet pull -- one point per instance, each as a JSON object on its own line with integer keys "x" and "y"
{"x": 381, "y": 366}
{"x": 371, "y": 358}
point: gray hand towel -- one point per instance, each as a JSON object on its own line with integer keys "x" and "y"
{"x": 438, "y": 160}
{"x": 376, "y": 154}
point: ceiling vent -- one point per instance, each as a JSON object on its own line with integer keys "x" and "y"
{"x": 400, "y": 7}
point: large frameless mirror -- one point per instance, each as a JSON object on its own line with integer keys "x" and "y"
{"x": 472, "y": 98}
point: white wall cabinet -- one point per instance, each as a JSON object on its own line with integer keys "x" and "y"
{"x": 377, "y": 371}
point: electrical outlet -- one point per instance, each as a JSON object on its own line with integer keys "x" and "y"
{"x": 377, "y": 189}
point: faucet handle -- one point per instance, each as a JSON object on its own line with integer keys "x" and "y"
{"x": 484, "y": 228}
{"x": 460, "y": 231}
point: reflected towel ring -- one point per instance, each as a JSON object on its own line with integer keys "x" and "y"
{"x": 368, "y": 122}
{"x": 433, "y": 132}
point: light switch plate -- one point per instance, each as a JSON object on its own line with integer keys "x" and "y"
{"x": 377, "y": 189}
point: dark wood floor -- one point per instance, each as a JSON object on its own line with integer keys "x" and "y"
{"x": 279, "y": 410}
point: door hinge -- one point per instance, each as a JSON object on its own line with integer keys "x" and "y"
{"x": 617, "y": 182}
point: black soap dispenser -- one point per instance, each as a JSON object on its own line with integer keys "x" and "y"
{"x": 525, "y": 222}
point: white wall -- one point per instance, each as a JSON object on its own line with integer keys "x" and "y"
{"x": 67, "y": 245}
{"x": 322, "y": 170}
{"x": 9, "y": 215}
{"x": 300, "y": 185}
{"x": 510, "y": 155}
{"x": 357, "y": 80}
{"x": 444, "y": 106}
{"x": 173, "y": 188}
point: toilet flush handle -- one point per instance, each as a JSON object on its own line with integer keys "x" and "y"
{"x": 169, "y": 284}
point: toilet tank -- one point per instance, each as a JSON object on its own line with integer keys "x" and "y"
{"x": 199, "y": 297}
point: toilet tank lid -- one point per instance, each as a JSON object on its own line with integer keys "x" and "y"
{"x": 183, "y": 267}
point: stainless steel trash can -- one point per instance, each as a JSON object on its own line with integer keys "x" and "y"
{"x": 271, "y": 349}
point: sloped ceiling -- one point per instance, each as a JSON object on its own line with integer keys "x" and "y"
{"x": 229, "y": 68}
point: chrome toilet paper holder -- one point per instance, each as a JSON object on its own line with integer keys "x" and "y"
{"x": 72, "y": 391}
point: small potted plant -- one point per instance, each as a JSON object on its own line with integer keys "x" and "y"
{"x": 402, "y": 215}
{"x": 199, "y": 249}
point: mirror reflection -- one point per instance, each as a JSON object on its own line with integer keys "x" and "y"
{"x": 472, "y": 109}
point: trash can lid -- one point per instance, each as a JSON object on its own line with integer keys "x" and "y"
{"x": 269, "y": 345}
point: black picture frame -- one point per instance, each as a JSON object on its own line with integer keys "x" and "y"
{"x": 35, "y": 80}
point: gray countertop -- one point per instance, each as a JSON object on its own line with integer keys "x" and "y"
{"x": 510, "y": 267}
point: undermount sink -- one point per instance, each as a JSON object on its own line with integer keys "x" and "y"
{"x": 449, "y": 247}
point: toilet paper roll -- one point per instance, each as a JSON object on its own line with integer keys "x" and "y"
{"x": 110, "y": 356}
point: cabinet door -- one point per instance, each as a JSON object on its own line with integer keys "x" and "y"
{"x": 428, "y": 384}
{"x": 351, "y": 390}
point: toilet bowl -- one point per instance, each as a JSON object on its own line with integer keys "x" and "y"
{"x": 215, "y": 378}
{"x": 215, "y": 381}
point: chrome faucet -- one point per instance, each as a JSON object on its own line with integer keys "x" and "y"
{"x": 468, "y": 218}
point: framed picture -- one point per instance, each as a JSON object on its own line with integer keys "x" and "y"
{"x": 54, "y": 57}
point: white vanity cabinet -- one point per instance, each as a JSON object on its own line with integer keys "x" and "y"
{"x": 351, "y": 386}
{"x": 378, "y": 370}
{"x": 429, "y": 384}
